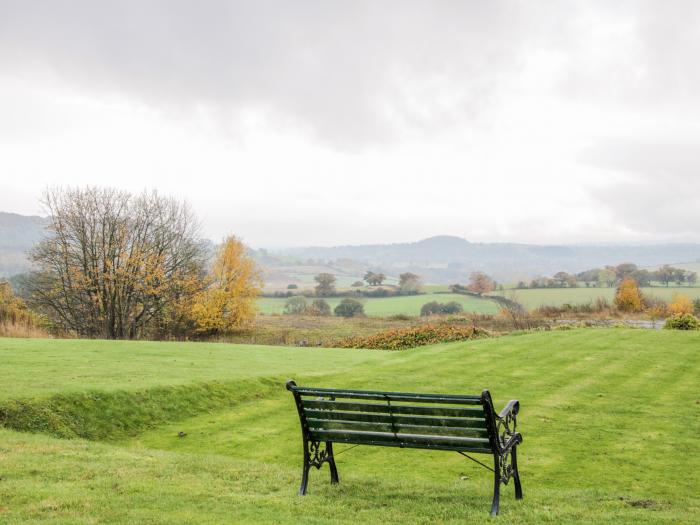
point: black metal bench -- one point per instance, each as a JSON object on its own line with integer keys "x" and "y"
{"x": 459, "y": 423}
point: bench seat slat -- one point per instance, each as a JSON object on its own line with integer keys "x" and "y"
{"x": 407, "y": 440}
{"x": 386, "y": 418}
{"x": 396, "y": 409}
{"x": 321, "y": 424}
{"x": 392, "y": 396}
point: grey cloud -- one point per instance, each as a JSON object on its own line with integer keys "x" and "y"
{"x": 354, "y": 73}
{"x": 349, "y": 71}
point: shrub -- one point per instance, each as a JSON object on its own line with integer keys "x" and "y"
{"x": 295, "y": 306}
{"x": 656, "y": 308}
{"x": 601, "y": 304}
{"x": 292, "y": 287}
{"x": 696, "y": 306}
{"x": 319, "y": 307}
{"x": 628, "y": 298}
{"x": 16, "y": 320}
{"x": 399, "y": 339}
{"x": 435, "y": 308}
{"x": 431, "y": 308}
{"x": 349, "y": 308}
{"x": 452, "y": 307}
{"x": 682, "y": 322}
{"x": 357, "y": 284}
{"x": 681, "y": 304}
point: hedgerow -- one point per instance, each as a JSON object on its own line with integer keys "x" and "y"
{"x": 399, "y": 339}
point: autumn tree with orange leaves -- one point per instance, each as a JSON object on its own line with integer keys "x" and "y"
{"x": 228, "y": 302}
{"x": 628, "y": 297}
{"x": 480, "y": 283}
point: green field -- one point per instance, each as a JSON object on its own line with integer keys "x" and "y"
{"x": 385, "y": 306}
{"x": 610, "y": 420}
{"x": 534, "y": 297}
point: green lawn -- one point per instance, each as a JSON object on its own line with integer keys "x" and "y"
{"x": 610, "y": 420}
{"x": 385, "y": 306}
{"x": 32, "y": 367}
{"x": 532, "y": 298}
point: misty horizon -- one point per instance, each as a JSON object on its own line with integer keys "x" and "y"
{"x": 420, "y": 240}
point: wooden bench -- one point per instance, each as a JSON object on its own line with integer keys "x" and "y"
{"x": 459, "y": 423}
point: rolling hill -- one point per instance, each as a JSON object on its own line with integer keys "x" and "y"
{"x": 441, "y": 259}
{"x": 18, "y": 233}
{"x": 446, "y": 259}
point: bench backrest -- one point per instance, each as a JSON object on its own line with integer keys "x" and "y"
{"x": 399, "y": 419}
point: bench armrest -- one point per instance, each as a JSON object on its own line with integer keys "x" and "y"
{"x": 506, "y": 422}
{"x": 513, "y": 407}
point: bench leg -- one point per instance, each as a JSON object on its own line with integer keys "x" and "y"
{"x": 516, "y": 474}
{"x": 331, "y": 463}
{"x": 315, "y": 457}
{"x": 305, "y": 472}
{"x": 496, "y": 485}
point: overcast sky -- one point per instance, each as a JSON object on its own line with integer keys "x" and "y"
{"x": 328, "y": 122}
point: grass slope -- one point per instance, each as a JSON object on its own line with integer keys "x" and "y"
{"x": 609, "y": 417}
{"x": 40, "y": 367}
{"x": 385, "y": 306}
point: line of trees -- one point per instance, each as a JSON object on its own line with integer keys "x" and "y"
{"x": 409, "y": 284}
{"x": 298, "y": 305}
{"x": 123, "y": 266}
{"x": 609, "y": 276}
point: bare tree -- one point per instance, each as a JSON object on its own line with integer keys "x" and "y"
{"x": 116, "y": 265}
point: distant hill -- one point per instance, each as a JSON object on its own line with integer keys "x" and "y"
{"x": 18, "y": 233}
{"x": 446, "y": 259}
{"x": 441, "y": 259}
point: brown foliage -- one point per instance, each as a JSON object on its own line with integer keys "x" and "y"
{"x": 116, "y": 265}
{"x": 15, "y": 319}
{"x": 480, "y": 283}
{"x": 416, "y": 336}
